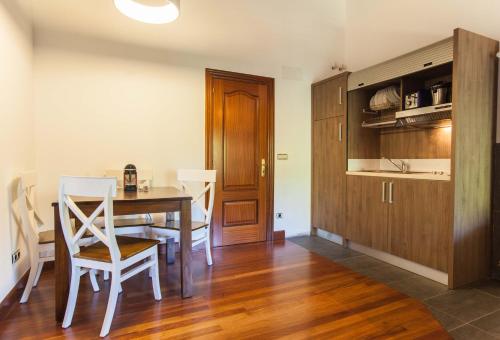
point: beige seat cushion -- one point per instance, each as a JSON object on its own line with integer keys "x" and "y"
{"x": 46, "y": 237}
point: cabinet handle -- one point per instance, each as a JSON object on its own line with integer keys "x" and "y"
{"x": 263, "y": 168}
{"x": 340, "y": 132}
{"x": 340, "y": 95}
{"x": 390, "y": 193}
{"x": 383, "y": 191}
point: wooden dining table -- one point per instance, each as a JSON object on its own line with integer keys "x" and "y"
{"x": 156, "y": 200}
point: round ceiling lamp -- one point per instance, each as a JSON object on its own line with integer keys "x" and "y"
{"x": 162, "y": 14}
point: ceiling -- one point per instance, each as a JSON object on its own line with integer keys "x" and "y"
{"x": 292, "y": 33}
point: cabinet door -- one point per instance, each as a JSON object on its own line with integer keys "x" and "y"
{"x": 325, "y": 97}
{"x": 419, "y": 221}
{"x": 328, "y": 173}
{"x": 367, "y": 211}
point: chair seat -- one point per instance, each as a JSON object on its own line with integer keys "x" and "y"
{"x": 176, "y": 225}
{"x": 45, "y": 237}
{"x": 129, "y": 246}
{"x": 128, "y": 222}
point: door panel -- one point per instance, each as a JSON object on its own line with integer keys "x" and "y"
{"x": 419, "y": 220}
{"x": 240, "y": 130}
{"x": 238, "y": 143}
{"x": 240, "y": 213}
{"x": 367, "y": 211}
{"x": 328, "y": 184}
{"x": 329, "y": 98}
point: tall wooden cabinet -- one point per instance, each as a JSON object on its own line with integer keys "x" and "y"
{"x": 329, "y": 154}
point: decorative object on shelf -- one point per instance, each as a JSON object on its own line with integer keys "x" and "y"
{"x": 162, "y": 14}
{"x": 385, "y": 99}
{"x": 417, "y": 99}
{"x": 339, "y": 67}
{"x": 130, "y": 178}
{"x": 439, "y": 92}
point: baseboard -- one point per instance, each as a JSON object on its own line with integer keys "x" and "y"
{"x": 278, "y": 235}
{"x": 413, "y": 267}
{"x": 13, "y": 297}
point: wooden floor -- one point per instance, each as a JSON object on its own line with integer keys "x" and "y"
{"x": 263, "y": 291}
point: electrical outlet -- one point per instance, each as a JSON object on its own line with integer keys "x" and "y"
{"x": 16, "y": 256}
{"x": 279, "y": 215}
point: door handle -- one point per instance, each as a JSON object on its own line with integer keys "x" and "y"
{"x": 340, "y": 132}
{"x": 340, "y": 95}
{"x": 390, "y": 193}
{"x": 383, "y": 191}
{"x": 263, "y": 168}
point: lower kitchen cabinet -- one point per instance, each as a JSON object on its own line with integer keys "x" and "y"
{"x": 409, "y": 218}
{"x": 419, "y": 221}
{"x": 367, "y": 211}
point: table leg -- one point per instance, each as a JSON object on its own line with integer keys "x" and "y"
{"x": 62, "y": 273}
{"x": 186, "y": 247}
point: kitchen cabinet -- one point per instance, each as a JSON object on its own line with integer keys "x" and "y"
{"x": 446, "y": 226}
{"x": 328, "y": 149}
{"x": 329, "y": 97}
{"x": 328, "y": 174}
{"x": 367, "y": 211}
{"x": 408, "y": 218}
{"x": 419, "y": 220}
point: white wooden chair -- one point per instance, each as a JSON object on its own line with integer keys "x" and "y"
{"x": 112, "y": 253}
{"x": 201, "y": 229}
{"x": 40, "y": 243}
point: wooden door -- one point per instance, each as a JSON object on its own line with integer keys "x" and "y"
{"x": 419, "y": 220}
{"x": 367, "y": 211}
{"x": 240, "y": 147}
{"x": 328, "y": 173}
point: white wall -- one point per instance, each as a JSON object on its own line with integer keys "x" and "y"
{"x": 16, "y": 137}
{"x": 383, "y": 29}
{"x": 102, "y": 104}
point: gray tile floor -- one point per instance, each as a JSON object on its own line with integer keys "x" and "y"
{"x": 471, "y": 313}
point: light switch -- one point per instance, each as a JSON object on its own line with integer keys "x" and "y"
{"x": 282, "y": 156}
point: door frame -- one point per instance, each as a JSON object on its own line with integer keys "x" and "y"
{"x": 210, "y": 76}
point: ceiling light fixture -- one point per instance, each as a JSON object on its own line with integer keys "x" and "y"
{"x": 149, "y": 14}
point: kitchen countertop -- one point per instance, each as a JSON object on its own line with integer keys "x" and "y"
{"x": 393, "y": 174}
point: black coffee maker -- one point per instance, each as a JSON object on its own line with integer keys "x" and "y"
{"x": 130, "y": 178}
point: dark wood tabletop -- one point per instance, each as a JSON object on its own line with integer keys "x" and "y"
{"x": 157, "y": 193}
{"x": 155, "y": 200}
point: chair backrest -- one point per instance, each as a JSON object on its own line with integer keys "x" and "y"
{"x": 208, "y": 178}
{"x": 94, "y": 187}
{"x": 30, "y": 220}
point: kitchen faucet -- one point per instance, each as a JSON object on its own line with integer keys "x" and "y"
{"x": 403, "y": 167}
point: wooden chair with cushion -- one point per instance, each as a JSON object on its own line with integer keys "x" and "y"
{"x": 201, "y": 229}
{"x": 115, "y": 254}
{"x": 40, "y": 243}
